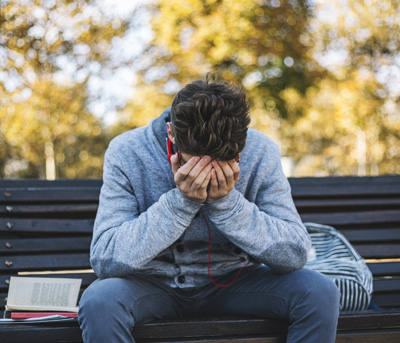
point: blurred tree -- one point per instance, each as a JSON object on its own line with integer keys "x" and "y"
{"x": 147, "y": 103}
{"x": 313, "y": 71}
{"x": 41, "y": 37}
{"x": 351, "y": 121}
{"x": 48, "y": 51}
{"x": 322, "y": 77}
{"x": 336, "y": 128}
{"x": 256, "y": 43}
{"x": 53, "y": 132}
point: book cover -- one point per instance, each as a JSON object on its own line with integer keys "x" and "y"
{"x": 26, "y": 315}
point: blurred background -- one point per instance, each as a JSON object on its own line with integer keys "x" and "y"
{"x": 322, "y": 76}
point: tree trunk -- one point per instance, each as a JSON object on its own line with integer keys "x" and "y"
{"x": 50, "y": 162}
{"x": 361, "y": 153}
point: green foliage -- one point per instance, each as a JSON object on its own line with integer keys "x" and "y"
{"x": 350, "y": 122}
{"x": 44, "y": 121}
{"x": 321, "y": 77}
{"x": 54, "y": 115}
{"x": 254, "y": 42}
{"x": 331, "y": 117}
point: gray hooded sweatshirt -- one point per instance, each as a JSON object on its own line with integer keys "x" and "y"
{"x": 145, "y": 225}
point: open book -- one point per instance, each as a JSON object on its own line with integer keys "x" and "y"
{"x": 43, "y": 294}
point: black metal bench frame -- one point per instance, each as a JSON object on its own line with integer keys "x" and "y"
{"x": 47, "y": 226}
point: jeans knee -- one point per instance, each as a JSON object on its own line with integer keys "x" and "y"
{"x": 315, "y": 308}
{"x": 102, "y": 296}
{"x": 319, "y": 292}
{"x": 105, "y": 313}
{"x": 327, "y": 296}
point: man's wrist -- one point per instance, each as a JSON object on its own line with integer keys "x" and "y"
{"x": 225, "y": 203}
{"x": 181, "y": 205}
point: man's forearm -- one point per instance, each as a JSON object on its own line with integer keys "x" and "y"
{"x": 281, "y": 242}
{"x": 123, "y": 242}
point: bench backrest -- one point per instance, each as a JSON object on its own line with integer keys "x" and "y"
{"x": 47, "y": 225}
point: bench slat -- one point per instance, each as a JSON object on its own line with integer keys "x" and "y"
{"x": 49, "y": 209}
{"x": 6, "y": 184}
{"x": 46, "y": 225}
{"x": 305, "y": 187}
{"x": 385, "y": 268}
{"x": 345, "y": 187}
{"x": 386, "y": 299}
{"x": 378, "y": 250}
{"x": 386, "y": 336}
{"x": 86, "y": 226}
{"x": 211, "y": 330}
{"x": 344, "y": 218}
{"x": 353, "y": 218}
{"x": 72, "y": 335}
{"x": 53, "y": 194}
{"x": 236, "y": 326}
{"x": 310, "y": 180}
{"x": 32, "y": 333}
{"x": 333, "y": 204}
{"x": 345, "y": 190}
{"x": 45, "y": 245}
{"x": 45, "y": 262}
{"x": 344, "y": 180}
{"x": 372, "y": 235}
{"x": 389, "y": 285}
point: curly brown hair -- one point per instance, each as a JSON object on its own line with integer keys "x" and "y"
{"x": 210, "y": 117}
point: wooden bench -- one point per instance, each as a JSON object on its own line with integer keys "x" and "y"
{"x": 47, "y": 226}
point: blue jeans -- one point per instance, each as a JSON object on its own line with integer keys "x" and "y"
{"x": 110, "y": 308}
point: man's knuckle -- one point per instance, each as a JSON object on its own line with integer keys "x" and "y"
{"x": 204, "y": 185}
{"x": 197, "y": 183}
{"x": 183, "y": 173}
{"x": 184, "y": 188}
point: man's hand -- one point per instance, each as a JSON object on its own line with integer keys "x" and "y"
{"x": 224, "y": 176}
{"x": 193, "y": 178}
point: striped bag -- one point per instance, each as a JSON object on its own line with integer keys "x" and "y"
{"x": 332, "y": 254}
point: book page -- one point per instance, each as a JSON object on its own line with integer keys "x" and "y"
{"x": 43, "y": 294}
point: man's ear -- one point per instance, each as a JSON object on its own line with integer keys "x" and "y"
{"x": 170, "y": 135}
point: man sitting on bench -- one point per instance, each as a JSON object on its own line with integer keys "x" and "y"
{"x": 176, "y": 223}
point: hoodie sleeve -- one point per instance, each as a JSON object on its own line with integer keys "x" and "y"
{"x": 124, "y": 240}
{"x": 270, "y": 229}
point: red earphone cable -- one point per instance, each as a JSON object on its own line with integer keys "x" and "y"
{"x": 170, "y": 150}
{"x": 170, "y": 154}
{"x": 209, "y": 257}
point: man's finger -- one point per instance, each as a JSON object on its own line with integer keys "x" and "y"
{"x": 220, "y": 175}
{"x": 185, "y": 170}
{"x": 198, "y": 181}
{"x": 213, "y": 186}
{"x": 228, "y": 172}
{"x": 174, "y": 163}
{"x": 198, "y": 168}
{"x": 236, "y": 170}
{"x": 205, "y": 183}
{"x": 226, "y": 168}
